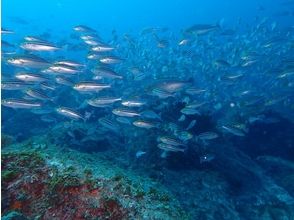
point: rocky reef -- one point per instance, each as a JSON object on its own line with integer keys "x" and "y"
{"x": 61, "y": 176}
{"x": 57, "y": 184}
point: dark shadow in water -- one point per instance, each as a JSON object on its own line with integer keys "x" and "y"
{"x": 274, "y": 139}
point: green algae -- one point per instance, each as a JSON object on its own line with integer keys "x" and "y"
{"x": 65, "y": 179}
{"x": 8, "y": 175}
{"x": 27, "y": 159}
{"x": 13, "y": 163}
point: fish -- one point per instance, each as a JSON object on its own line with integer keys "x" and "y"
{"x": 71, "y": 63}
{"x": 106, "y": 72}
{"x": 61, "y": 68}
{"x": 47, "y": 86}
{"x": 161, "y": 85}
{"x": 92, "y": 40}
{"x": 125, "y": 112}
{"x": 190, "y": 111}
{"x": 183, "y": 42}
{"x": 38, "y": 46}
{"x": 35, "y": 39}
{"x": 162, "y": 94}
{"x": 64, "y": 81}
{"x": 195, "y": 104}
{"x": 173, "y": 86}
{"x": 191, "y": 124}
{"x": 144, "y": 124}
{"x": 170, "y": 141}
{"x": 201, "y": 29}
{"x": 30, "y": 77}
{"x": 133, "y": 103}
{"x": 194, "y": 91}
{"x": 20, "y": 103}
{"x": 28, "y": 61}
{"x": 83, "y": 28}
{"x": 162, "y": 43}
{"x": 207, "y": 135}
{"x": 15, "y": 85}
{"x": 103, "y": 101}
{"x": 94, "y": 56}
{"x": 184, "y": 136}
{"x": 90, "y": 87}
{"x": 102, "y": 48}
{"x": 172, "y": 148}
{"x": 233, "y": 130}
{"x": 110, "y": 60}
{"x": 69, "y": 113}
{"x": 6, "y": 31}
{"x": 37, "y": 94}
{"x": 109, "y": 124}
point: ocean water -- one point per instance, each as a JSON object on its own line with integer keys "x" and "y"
{"x": 147, "y": 109}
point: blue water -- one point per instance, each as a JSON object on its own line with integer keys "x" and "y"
{"x": 233, "y": 60}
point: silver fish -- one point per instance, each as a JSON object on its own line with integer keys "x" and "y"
{"x": 167, "y": 147}
{"x": 125, "y": 112}
{"x": 61, "y": 68}
{"x": 39, "y": 46}
{"x": 190, "y": 111}
{"x": 30, "y": 77}
{"x": 109, "y": 124}
{"x": 110, "y": 60}
{"x": 37, "y": 94}
{"x": 29, "y": 61}
{"x": 63, "y": 81}
{"x": 15, "y": 85}
{"x": 19, "y": 103}
{"x": 133, "y": 103}
{"x": 170, "y": 141}
{"x": 70, "y": 113}
{"x": 234, "y": 131}
{"x": 83, "y": 28}
{"x": 102, "y": 101}
{"x": 191, "y": 124}
{"x": 106, "y": 72}
{"x": 162, "y": 94}
{"x": 90, "y": 87}
{"x": 102, "y": 48}
{"x": 144, "y": 124}
{"x": 207, "y": 135}
{"x": 69, "y": 63}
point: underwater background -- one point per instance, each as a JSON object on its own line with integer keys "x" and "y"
{"x": 147, "y": 109}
